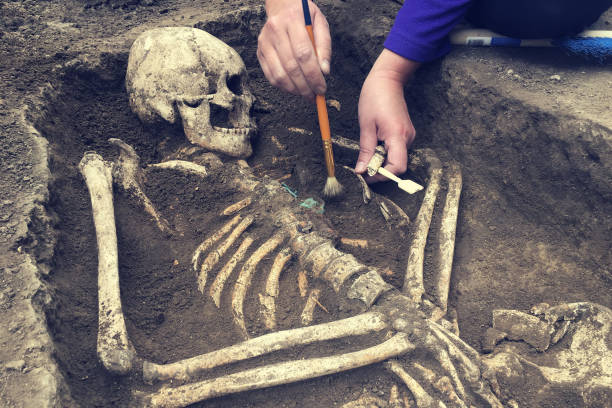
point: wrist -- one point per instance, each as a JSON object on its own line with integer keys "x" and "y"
{"x": 274, "y": 6}
{"x": 394, "y": 67}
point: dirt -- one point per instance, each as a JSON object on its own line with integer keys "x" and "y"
{"x": 533, "y": 227}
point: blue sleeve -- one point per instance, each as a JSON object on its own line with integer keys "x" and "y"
{"x": 421, "y": 28}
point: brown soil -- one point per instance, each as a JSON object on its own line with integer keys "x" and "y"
{"x": 511, "y": 252}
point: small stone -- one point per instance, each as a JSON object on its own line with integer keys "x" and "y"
{"x": 510, "y": 72}
{"x": 15, "y": 365}
{"x": 523, "y": 326}
{"x": 492, "y": 227}
{"x": 555, "y": 77}
{"x": 539, "y": 309}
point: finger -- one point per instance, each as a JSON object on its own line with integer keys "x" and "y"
{"x": 284, "y": 52}
{"x": 367, "y": 144}
{"x": 273, "y": 69}
{"x": 397, "y": 155}
{"x": 306, "y": 58}
{"x": 322, "y": 37}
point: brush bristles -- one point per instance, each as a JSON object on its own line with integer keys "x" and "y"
{"x": 333, "y": 188}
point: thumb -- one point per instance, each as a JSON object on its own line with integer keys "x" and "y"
{"x": 367, "y": 144}
{"x": 320, "y": 29}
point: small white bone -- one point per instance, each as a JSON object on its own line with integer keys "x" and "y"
{"x": 276, "y": 374}
{"x": 422, "y": 398}
{"x": 214, "y": 256}
{"x": 413, "y": 280}
{"x": 208, "y": 242}
{"x": 308, "y": 312}
{"x": 187, "y": 369}
{"x": 234, "y": 208}
{"x": 182, "y": 166}
{"x": 244, "y": 279}
{"x": 442, "y": 384}
{"x": 216, "y": 288}
{"x": 128, "y": 173}
{"x": 302, "y": 279}
{"x": 113, "y": 347}
{"x": 268, "y": 299}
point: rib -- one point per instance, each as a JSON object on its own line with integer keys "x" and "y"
{"x": 234, "y": 208}
{"x": 268, "y": 299}
{"x": 214, "y": 256}
{"x": 204, "y": 246}
{"x": 308, "y": 312}
{"x": 244, "y": 279}
{"x": 182, "y": 166}
{"x": 216, "y": 288}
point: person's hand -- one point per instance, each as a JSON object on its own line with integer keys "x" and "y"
{"x": 285, "y": 52}
{"x": 383, "y": 115}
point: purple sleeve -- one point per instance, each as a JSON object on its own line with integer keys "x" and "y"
{"x": 420, "y": 31}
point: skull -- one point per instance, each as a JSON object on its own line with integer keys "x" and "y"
{"x": 186, "y": 72}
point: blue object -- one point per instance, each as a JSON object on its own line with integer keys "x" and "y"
{"x": 597, "y": 48}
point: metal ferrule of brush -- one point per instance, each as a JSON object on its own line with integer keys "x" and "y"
{"x": 329, "y": 158}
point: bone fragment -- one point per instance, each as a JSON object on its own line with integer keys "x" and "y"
{"x": 268, "y": 299}
{"x": 366, "y": 192}
{"x": 334, "y": 103}
{"x": 276, "y": 374}
{"x": 300, "y": 131}
{"x": 346, "y": 143}
{"x": 214, "y": 256}
{"x": 311, "y": 302}
{"x": 395, "y": 400}
{"x": 208, "y": 242}
{"x": 413, "y": 281}
{"x": 391, "y": 208}
{"x": 442, "y": 384}
{"x": 216, "y": 288}
{"x": 302, "y": 283}
{"x": 357, "y": 243}
{"x": 319, "y": 258}
{"x": 187, "y": 369}
{"x": 128, "y": 173}
{"x": 422, "y": 398}
{"x": 244, "y": 279}
{"x": 448, "y": 227}
{"x": 182, "y": 166}
{"x": 113, "y": 347}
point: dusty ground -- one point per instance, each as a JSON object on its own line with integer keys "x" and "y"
{"x": 534, "y": 223}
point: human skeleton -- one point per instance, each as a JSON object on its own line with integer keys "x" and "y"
{"x": 404, "y": 321}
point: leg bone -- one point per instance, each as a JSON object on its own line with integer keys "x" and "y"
{"x": 413, "y": 281}
{"x": 276, "y": 374}
{"x": 187, "y": 369}
{"x": 113, "y": 347}
{"x": 448, "y": 227}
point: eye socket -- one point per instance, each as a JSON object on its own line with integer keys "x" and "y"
{"x": 234, "y": 83}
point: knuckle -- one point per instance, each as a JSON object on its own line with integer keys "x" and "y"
{"x": 292, "y": 67}
{"x": 303, "y": 53}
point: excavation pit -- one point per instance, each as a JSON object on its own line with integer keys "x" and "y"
{"x": 532, "y": 223}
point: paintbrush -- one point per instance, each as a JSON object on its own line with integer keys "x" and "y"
{"x": 333, "y": 187}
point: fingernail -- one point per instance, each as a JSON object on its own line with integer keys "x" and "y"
{"x": 361, "y": 167}
{"x": 325, "y": 67}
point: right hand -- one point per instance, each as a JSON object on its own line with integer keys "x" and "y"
{"x": 285, "y": 52}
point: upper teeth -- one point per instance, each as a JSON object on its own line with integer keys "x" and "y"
{"x": 242, "y": 131}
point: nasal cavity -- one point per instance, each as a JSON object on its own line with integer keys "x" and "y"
{"x": 219, "y": 116}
